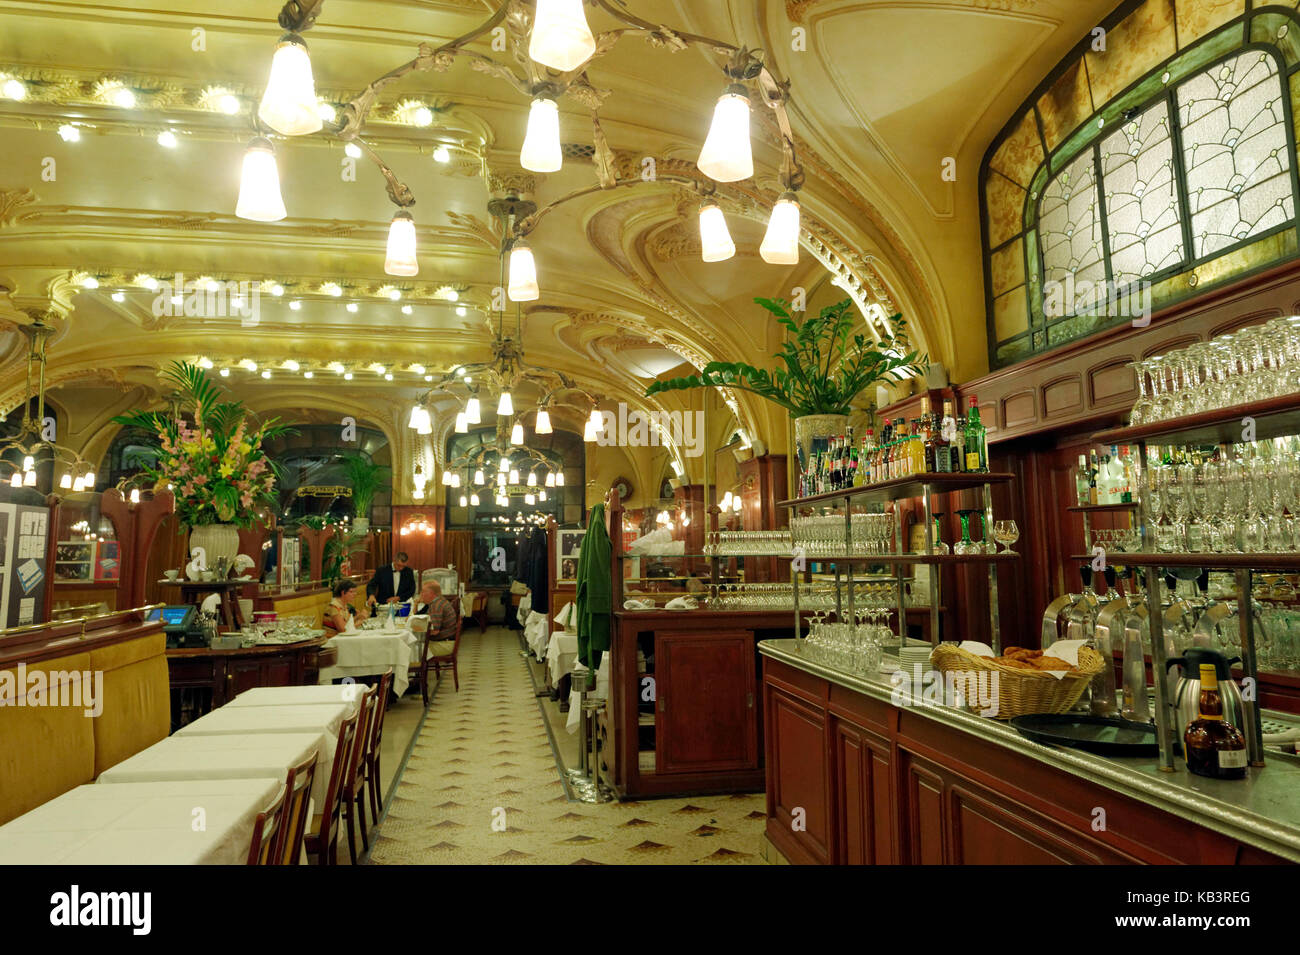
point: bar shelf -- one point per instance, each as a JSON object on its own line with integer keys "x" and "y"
{"x": 1103, "y": 508}
{"x": 1272, "y": 417}
{"x": 1282, "y": 562}
{"x": 914, "y": 485}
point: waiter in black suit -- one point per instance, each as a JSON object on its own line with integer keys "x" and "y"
{"x": 392, "y": 584}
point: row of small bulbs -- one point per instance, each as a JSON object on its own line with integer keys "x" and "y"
{"x": 27, "y": 478}
{"x": 247, "y": 364}
{"x": 561, "y": 39}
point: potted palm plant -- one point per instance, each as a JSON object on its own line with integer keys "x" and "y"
{"x": 366, "y": 479}
{"x": 214, "y": 463}
{"x": 823, "y": 367}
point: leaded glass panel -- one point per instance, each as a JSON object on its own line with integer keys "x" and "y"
{"x": 1235, "y": 151}
{"x": 1143, "y": 218}
{"x": 1070, "y": 230}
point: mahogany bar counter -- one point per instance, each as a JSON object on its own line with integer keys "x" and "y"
{"x": 854, "y": 779}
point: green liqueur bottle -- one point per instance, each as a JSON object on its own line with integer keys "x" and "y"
{"x": 977, "y": 456}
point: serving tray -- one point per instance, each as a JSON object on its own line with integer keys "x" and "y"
{"x": 1104, "y": 735}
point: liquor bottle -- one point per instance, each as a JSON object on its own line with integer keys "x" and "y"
{"x": 855, "y": 469}
{"x": 1081, "y": 482}
{"x": 1093, "y": 491}
{"x": 977, "y": 458}
{"x": 930, "y": 464}
{"x": 864, "y": 460}
{"x": 942, "y": 445}
{"x": 1126, "y": 481}
{"x": 958, "y": 450}
{"x": 1213, "y": 746}
{"x": 1105, "y": 481}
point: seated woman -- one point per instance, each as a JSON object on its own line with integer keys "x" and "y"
{"x": 335, "y": 618}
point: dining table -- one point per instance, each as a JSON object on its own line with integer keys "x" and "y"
{"x": 371, "y": 652}
{"x": 259, "y": 696}
{"x": 158, "y": 822}
{"x": 302, "y": 718}
{"x": 227, "y": 756}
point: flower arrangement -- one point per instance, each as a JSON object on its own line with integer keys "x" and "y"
{"x": 215, "y": 463}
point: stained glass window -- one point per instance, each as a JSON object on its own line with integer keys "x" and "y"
{"x": 1070, "y": 229}
{"x": 1235, "y": 151}
{"x": 1143, "y": 217}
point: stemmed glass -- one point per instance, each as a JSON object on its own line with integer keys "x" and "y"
{"x": 965, "y": 545}
{"x": 1142, "y": 408}
{"x": 1006, "y": 533}
{"x": 939, "y": 546}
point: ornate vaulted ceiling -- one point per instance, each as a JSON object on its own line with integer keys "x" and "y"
{"x": 882, "y": 93}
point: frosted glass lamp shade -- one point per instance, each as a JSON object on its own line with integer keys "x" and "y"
{"x": 289, "y": 105}
{"x": 716, "y": 244}
{"x": 781, "y": 244}
{"x": 259, "y": 186}
{"x": 543, "y": 425}
{"x": 542, "y": 151}
{"x": 523, "y": 274}
{"x": 561, "y": 38}
{"x": 727, "y": 155}
{"x": 401, "y": 246}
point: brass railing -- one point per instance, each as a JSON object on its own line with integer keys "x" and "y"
{"x": 73, "y": 621}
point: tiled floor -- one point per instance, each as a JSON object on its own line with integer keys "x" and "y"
{"x": 482, "y": 787}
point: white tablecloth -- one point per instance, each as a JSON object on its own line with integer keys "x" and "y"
{"x": 304, "y": 718}
{"x": 154, "y": 823}
{"x": 349, "y": 693}
{"x": 561, "y": 654}
{"x": 535, "y": 632}
{"x": 369, "y": 652}
{"x": 235, "y": 756}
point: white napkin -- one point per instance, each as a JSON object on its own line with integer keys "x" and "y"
{"x": 977, "y": 648}
{"x": 565, "y": 617}
{"x": 682, "y": 603}
{"x": 635, "y": 604}
{"x": 1067, "y": 650}
{"x": 210, "y": 603}
{"x": 352, "y": 625}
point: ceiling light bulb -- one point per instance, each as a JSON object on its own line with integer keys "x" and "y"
{"x": 446, "y": 478}
{"x": 266, "y": 373}
{"x": 229, "y": 104}
{"x": 532, "y": 479}
{"x": 514, "y": 476}
{"x": 90, "y": 479}
{"x": 205, "y": 362}
{"x": 16, "y": 480}
{"x": 478, "y": 477}
{"x": 442, "y": 154}
{"x": 65, "y": 482}
{"x": 407, "y": 310}
{"x": 505, "y": 407}
{"x": 473, "y": 500}
{"x": 543, "y": 424}
{"x": 517, "y": 434}
{"x": 119, "y": 297}
{"x": 541, "y": 495}
{"x": 735, "y": 503}
{"x": 259, "y": 189}
{"x": 90, "y": 282}
{"x": 394, "y": 295}
{"x": 29, "y": 479}
{"x": 473, "y": 413}
{"x": 69, "y": 133}
{"x": 781, "y": 243}
{"x": 401, "y": 248}
{"x": 347, "y": 376}
{"x": 461, "y": 311}
{"x": 352, "y": 151}
{"x": 530, "y": 498}
{"x": 14, "y": 89}
{"x": 716, "y": 244}
{"x": 590, "y": 432}
{"x": 333, "y": 289}
{"x": 277, "y": 289}
{"x": 550, "y": 479}
{"x": 503, "y": 465}
{"x": 559, "y": 479}
{"x": 462, "y": 423}
{"x": 542, "y": 151}
{"x": 726, "y": 501}
{"x": 122, "y": 98}
{"x": 307, "y": 374}
{"x": 727, "y": 155}
{"x": 147, "y": 281}
{"x": 417, "y": 414}
{"x": 388, "y": 376}
{"x": 225, "y": 373}
{"x": 289, "y": 105}
{"x": 353, "y": 307}
{"x": 464, "y": 501}
{"x": 326, "y": 111}
{"x": 561, "y": 36}
{"x": 296, "y": 305}
{"x": 422, "y": 116}
{"x": 523, "y": 273}
{"x": 418, "y": 369}
{"x": 167, "y": 139}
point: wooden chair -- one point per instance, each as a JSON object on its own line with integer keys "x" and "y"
{"x": 420, "y": 671}
{"x": 354, "y": 779}
{"x": 439, "y": 659}
{"x": 298, "y": 783}
{"x": 373, "y": 780}
{"x": 323, "y": 841}
{"x": 266, "y": 830}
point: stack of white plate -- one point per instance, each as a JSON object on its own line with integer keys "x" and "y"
{"x": 910, "y": 656}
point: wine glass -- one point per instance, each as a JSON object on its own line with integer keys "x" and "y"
{"x": 1006, "y": 533}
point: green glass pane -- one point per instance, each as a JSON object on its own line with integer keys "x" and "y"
{"x": 1278, "y": 30}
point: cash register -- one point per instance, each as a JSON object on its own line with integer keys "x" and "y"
{"x": 180, "y": 624}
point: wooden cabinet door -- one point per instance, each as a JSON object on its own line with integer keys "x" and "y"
{"x": 279, "y": 671}
{"x": 864, "y": 804}
{"x": 242, "y": 675}
{"x": 706, "y": 717}
{"x": 798, "y": 778}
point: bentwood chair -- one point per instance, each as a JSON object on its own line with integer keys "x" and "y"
{"x": 420, "y": 670}
{"x": 323, "y": 840}
{"x": 266, "y": 831}
{"x": 373, "y": 780}
{"x": 441, "y": 657}
{"x": 354, "y": 778}
{"x": 298, "y": 783}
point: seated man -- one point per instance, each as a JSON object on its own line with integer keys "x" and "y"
{"x": 444, "y": 617}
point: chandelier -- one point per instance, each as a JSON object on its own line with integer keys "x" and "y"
{"x": 501, "y": 469}
{"x": 560, "y": 47}
{"x": 36, "y": 442}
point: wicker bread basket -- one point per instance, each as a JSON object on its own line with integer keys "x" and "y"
{"x": 1021, "y": 692}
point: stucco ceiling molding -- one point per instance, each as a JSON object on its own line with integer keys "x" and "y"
{"x": 15, "y": 206}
